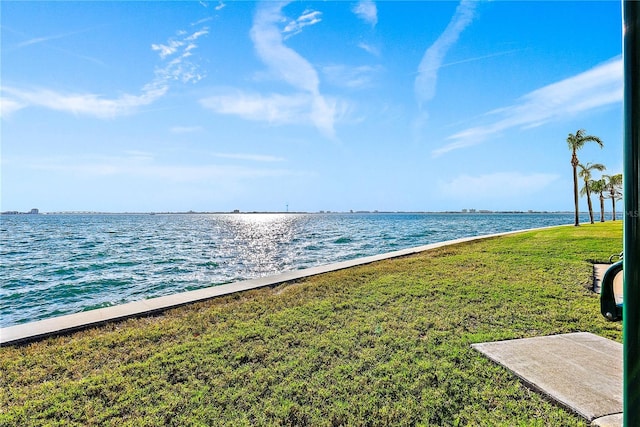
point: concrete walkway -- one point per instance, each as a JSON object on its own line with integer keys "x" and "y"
{"x": 580, "y": 371}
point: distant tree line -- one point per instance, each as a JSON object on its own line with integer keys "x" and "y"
{"x": 608, "y": 186}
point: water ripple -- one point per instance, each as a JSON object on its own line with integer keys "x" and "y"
{"x": 60, "y": 264}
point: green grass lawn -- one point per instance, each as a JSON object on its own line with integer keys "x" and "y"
{"x": 377, "y": 345}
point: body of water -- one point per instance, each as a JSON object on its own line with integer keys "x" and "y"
{"x": 60, "y": 264}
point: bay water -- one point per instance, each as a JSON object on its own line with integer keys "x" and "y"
{"x": 53, "y": 265}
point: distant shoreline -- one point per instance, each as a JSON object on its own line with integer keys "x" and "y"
{"x": 468, "y": 212}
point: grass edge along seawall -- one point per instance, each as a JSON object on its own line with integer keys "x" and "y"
{"x": 380, "y": 344}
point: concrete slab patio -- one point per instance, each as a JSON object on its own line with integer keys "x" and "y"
{"x": 580, "y": 371}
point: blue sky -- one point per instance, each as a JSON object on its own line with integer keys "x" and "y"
{"x": 338, "y": 105}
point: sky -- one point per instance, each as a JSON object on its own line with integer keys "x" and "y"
{"x": 144, "y": 106}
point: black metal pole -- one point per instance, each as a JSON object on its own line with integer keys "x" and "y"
{"x": 631, "y": 315}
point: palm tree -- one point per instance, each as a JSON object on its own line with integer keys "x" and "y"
{"x": 575, "y": 143}
{"x": 614, "y": 186}
{"x": 585, "y": 173}
{"x": 599, "y": 186}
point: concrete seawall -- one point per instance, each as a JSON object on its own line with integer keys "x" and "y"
{"x": 32, "y": 331}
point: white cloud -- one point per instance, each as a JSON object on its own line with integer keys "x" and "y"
{"x": 351, "y": 77}
{"x": 274, "y": 108}
{"x": 202, "y": 21}
{"x": 44, "y": 39}
{"x": 9, "y": 106}
{"x": 185, "y": 129}
{"x": 478, "y": 58}
{"x": 181, "y": 46}
{"x": 145, "y": 166}
{"x": 198, "y": 34}
{"x": 287, "y": 65}
{"x": 250, "y": 157}
{"x": 308, "y": 18}
{"x": 284, "y": 62}
{"x": 177, "y": 69}
{"x": 369, "y": 48}
{"x": 496, "y": 186}
{"x": 598, "y": 87}
{"x": 168, "y": 49}
{"x": 38, "y": 40}
{"x": 86, "y": 104}
{"x": 54, "y": 46}
{"x": 138, "y": 155}
{"x": 367, "y": 11}
{"x": 220, "y": 6}
{"x": 425, "y": 84}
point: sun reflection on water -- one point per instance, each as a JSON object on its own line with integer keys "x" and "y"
{"x": 258, "y": 241}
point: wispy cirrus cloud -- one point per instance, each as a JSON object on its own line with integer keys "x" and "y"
{"x": 167, "y": 49}
{"x": 8, "y": 106}
{"x": 50, "y": 37}
{"x": 367, "y": 11}
{"x": 135, "y": 165}
{"x": 176, "y": 67}
{"x": 37, "y": 40}
{"x": 249, "y": 157}
{"x": 425, "y": 83}
{"x": 598, "y": 87}
{"x": 495, "y": 186}
{"x": 185, "y": 129}
{"x": 305, "y": 105}
{"x": 177, "y": 51}
{"x": 284, "y": 63}
{"x": 351, "y": 77}
{"x": 274, "y": 108}
{"x": 308, "y": 18}
{"x": 478, "y": 58}
{"x": 83, "y": 103}
{"x": 369, "y": 48}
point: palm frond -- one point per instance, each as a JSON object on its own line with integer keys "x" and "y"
{"x": 585, "y": 170}
{"x": 598, "y": 186}
{"x": 576, "y": 141}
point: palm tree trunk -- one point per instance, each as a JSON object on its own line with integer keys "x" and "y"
{"x": 613, "y": 202}
{"x": 574, "y": 163}
{"x": 601, "y": 208}
{"x": 590, "y": 206}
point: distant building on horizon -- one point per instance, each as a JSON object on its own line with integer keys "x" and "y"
{"x": 33, "y": 211}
